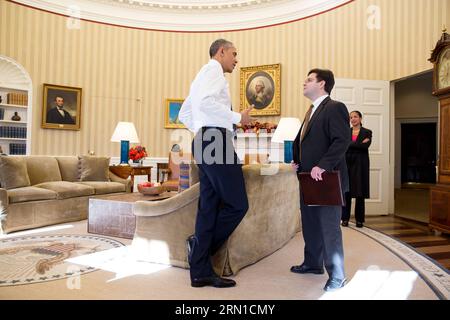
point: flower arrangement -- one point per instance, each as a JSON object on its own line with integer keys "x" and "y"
{"x": 137, "y": 153}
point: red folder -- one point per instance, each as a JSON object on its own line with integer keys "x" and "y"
{"x": 327, "y": 192}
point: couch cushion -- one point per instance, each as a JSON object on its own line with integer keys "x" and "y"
{"x": 30, "y": 194}
{"x": 42, "y": 169}
{"x": 65, "y": 189}
{"x": 69, "y": 168}
{"x": 94, "y": 168}
{"x": 13, "y": 172}
{"x": 103, "y": 187}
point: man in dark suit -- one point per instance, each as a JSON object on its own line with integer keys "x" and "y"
{"x": 320, "y": 146}
{"x": 58, "y": 114}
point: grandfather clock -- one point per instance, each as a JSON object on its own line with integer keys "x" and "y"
{"x": 440, "y": 194}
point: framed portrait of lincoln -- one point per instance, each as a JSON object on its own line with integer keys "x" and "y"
{"x": 260, "y": 87}
{"x": 61, "y": 108}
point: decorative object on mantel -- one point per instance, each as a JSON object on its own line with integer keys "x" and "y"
{"x": 15, "y": 117}
{"x": 137, "y": 154}
{"x": 257, "y": 127}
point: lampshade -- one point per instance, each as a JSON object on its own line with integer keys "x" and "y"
{"x": 286, "y": 130}
{"x": 125, "y": 131}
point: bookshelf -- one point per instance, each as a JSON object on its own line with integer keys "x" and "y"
{"x": 15, "y": 108}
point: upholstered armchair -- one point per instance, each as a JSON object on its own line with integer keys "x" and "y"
{"x": 273, "y": 218}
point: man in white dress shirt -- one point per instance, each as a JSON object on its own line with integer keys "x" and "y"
{"x": 223, "y": 199}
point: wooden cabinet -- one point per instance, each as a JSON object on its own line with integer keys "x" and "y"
{"x": 440, "y": 208}
{"x": 440, "y": 194}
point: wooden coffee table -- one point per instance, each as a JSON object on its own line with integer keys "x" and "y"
{"x": 112, "y": 215}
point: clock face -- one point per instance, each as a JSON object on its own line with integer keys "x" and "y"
{"x": 443, "y": 72}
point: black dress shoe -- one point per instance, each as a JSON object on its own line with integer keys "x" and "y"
{"x": 334, "y": 284}
{"x": 213, "y": 281}
{"x": 359, "y": 224}
{"x": 190, "y": 244}
{"x": 304, "y": 269}
{"x": 344, "y": 223}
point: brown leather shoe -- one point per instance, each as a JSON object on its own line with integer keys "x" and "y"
{"x": 302, "y": 269}
{"x": 212, "y": 281}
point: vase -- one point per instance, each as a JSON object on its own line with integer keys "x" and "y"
{"x": 138, "y": 162}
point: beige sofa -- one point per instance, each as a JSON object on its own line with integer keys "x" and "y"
{"x": 43, "y": 190}
{"x": 273, "y": 218}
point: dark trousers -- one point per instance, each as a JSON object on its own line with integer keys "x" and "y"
{"x": 323, "y": 238}
{"x": 222, "y": 203}
{"x": 360, "y": 208}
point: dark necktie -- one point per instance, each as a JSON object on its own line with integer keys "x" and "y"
{"x": 306, "y": 121}
{"x": 304, "y": 128}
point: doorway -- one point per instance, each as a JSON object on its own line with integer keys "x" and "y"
{"x": 418, "y": 153}
{"x": 416, "y": 118}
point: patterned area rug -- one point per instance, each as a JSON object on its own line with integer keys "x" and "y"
{"x": 435, "y": 275}
{"x": 34, "y": 259}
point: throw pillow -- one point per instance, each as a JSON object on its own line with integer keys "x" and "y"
{"x": 184, "y": 177}
{"x": 188, "y": 175}
{"x": 13, "y": 172}
{"x": 94, "y": 168}
{"x": 69, "y": 167}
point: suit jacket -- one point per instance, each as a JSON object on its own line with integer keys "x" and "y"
{"x": 357, "y": 158}
{"x": 53, "y": 116}
{"x": 326, "y": 140}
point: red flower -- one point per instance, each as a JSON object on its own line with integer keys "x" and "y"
{"x": 137, "y": 153}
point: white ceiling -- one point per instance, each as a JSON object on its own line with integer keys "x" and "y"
{"x": 191, "y": 16}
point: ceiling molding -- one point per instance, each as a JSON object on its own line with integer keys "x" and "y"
{"x": 187, "y": 15}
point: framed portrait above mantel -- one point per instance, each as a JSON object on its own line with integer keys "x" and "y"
{"x": 172, "y": 120}
{"x": 61, "y": 108}
{"x": 261, "y": 87}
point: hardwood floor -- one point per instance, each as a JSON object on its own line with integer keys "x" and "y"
{"x": 415, "y": 234}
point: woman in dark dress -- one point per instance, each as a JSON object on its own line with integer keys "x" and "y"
{"x": 357, "y": 157}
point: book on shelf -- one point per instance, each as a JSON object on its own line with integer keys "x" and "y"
{"x": 17, "y": 149}
{"x": 20, "y": 99}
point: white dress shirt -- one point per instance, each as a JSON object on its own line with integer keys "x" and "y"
{"x": 317, "y": 103}
{"x": 61, "y": 111}
{"x": 209, "y": 103}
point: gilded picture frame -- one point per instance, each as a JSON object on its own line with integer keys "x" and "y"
{"x": 61, "y": 107}
{"x": 261, "y": 86}
{"x": 171, "y": 120}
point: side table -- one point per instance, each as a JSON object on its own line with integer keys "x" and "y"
{"x": 129, "y": 171}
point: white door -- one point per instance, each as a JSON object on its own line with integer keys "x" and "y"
{"x": 371, "y": 98}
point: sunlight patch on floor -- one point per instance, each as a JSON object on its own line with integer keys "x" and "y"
{"x": 34, "y": 231}
{"x": 376, "y": 284}
{"x": 121, "y": 261}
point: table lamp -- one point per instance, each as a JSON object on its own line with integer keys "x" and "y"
{"x": 125, "y": 132}
{"x": 286, "y": 132}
